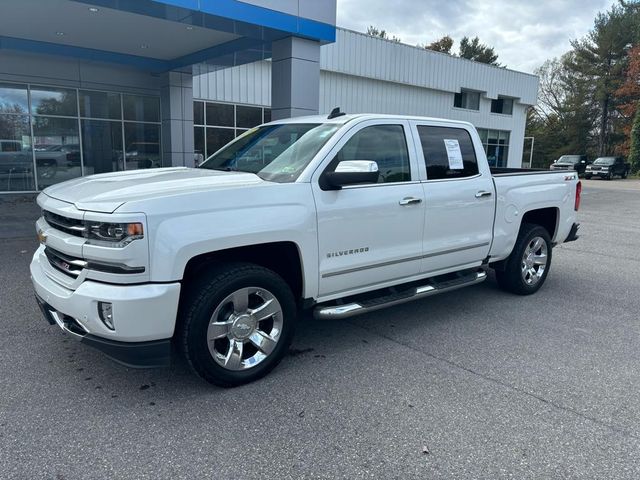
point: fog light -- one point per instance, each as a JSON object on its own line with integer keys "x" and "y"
{"x": 105, "y": 311}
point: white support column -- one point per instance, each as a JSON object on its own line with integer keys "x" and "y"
{"x": 176, "y": 97}
{"x": 295, "y": 78}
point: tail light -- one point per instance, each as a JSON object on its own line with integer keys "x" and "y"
{"x": 578, "y": 193}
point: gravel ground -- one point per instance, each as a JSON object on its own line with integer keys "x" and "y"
{"x": 472, "y": 384}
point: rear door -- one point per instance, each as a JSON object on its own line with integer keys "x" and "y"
{"x": 370, "y": 235}
{"x": 459, "y": 195}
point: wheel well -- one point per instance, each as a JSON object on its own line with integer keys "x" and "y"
{"x": 545, "y": 217}
{"x": 281, "y": 257}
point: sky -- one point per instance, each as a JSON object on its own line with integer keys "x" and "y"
{"x": 524, "y": 33}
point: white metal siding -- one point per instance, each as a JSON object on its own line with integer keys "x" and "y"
{"x": 361, "y": 74}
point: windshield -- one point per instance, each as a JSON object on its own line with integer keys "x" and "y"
{"x": 605, "y": 161}
{"x": 569, "y": 159}
{"x": 277, "y": 153}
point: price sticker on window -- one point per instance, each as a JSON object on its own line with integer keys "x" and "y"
{"x": 454, "y": 154}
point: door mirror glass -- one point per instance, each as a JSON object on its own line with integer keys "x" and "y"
{"x": 351, "y": 172}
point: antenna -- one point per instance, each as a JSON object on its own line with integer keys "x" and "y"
{"x": 335, "y": 113}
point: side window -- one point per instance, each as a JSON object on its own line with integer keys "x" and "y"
{"x": 448, "y": 152}
{"x": 384, "y": 144}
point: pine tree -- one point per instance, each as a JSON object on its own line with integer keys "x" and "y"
{"x": 634, "y": 152}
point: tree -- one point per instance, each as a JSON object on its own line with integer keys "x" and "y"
{"x": 442, "y": 45}
{"x": 634, "y": 149}
{"x": 472, "y": 49}
{"x": 600, "y": 57}
{"x": 627, "y": 96}
{"x": 381, "y": 33}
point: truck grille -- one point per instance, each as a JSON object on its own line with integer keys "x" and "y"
{"x": 72, "y": 226}
{"x": 64, "y": 263}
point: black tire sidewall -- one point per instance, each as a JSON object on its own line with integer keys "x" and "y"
{"x": 511, "y": 278}
{"x": 215, "y": 288}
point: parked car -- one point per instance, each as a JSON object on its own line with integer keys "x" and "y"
{"x": 17, "y": 159}
{"x": 607, "y": 168}
{"x": 343, "y": 215}
{"x": 571, "y": 162}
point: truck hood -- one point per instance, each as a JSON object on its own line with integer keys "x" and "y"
{"x": 108, "y": 191}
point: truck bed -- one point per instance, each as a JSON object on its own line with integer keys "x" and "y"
{"x": 505, "y": 171}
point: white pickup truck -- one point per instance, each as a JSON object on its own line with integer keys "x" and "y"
{"x": 342, "y": 214}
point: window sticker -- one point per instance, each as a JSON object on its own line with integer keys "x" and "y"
{"x": 454, "y": 154}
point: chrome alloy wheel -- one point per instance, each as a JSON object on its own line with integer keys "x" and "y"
{"x": 245, "y": 328}
{"x": 534, "y": 261}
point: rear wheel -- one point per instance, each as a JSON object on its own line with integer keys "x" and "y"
{"x": 527, "y": 267}
{"x": 624, "y": 174}
{"x": 238, "y": 324}
{"x": 588, "y": 177}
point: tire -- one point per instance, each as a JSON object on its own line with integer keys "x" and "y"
{"x": 609, "y": 176}
{"x": 517, "y": 276}
{"x": 624, "y": 174}
{"x": 224, "y": 350}
{"x": 587, "y": 177}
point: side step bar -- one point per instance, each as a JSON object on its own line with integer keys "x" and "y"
{"x": 356, "y": 308}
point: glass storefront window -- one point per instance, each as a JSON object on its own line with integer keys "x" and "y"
{"x": 54, "y": 101}
{"x": 218, "y": 138}
{"x": 198, "y": 144}
{"x": 496, "y": 145}
{"x": 57, "y": 149}
{"x": 13, "y": 98}
{"x": 248, "y": 117}
{"x": 16, "y": 157}
{"x": 198, "y": 113}
{"x": 101, "y": 146}
{"x": 220, "y": 114}
{"x": 100, "y": 105}
{"x": 141, "y": 108}
{"x": 142, "y": 146}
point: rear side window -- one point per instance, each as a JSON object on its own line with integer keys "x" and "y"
{"x": 448, "y": 152}
{"x": 384, "y": 144}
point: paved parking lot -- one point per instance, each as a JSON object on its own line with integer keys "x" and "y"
{"x": 489, "y": 384}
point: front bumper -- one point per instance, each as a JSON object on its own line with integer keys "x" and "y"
{"x": 598, "y": 173}
{"x": 156, "y": 353}
{"x": 144, "y": 315}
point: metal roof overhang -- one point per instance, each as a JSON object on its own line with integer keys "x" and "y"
{"x": 152, "y": 35}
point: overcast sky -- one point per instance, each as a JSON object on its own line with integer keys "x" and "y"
{"x": 524, "y": 33}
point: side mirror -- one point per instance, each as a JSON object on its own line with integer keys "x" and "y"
{"x": 350, "y": 172}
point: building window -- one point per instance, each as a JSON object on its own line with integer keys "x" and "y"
{"x": 496, "y": 146}
{"x": 467, "y": 99}
{"x": 216, "y": 124}
{"x": 52, "y": 134}
{"x": 502, "y": 105}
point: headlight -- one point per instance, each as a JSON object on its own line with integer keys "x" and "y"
{"x": 112, "y": 234}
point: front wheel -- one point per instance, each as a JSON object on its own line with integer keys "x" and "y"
{"x": 588, "y": 177}
{"x": 238, "y": 323}
{"x": 527, "y": 267}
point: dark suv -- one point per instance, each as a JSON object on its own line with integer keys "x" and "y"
{"x": 608, "y": 167}
{"x": 571, "y": 162}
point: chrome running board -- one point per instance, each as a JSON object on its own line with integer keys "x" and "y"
{"x": 415, "y": 293}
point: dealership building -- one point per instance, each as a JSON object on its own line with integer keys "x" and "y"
{"x": 93, "y": 86}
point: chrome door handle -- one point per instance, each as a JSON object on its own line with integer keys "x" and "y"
{"x": 483, "y": 193}
{"x": 409, "y": 201}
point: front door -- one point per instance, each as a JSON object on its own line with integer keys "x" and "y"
{"x": 371, "y": 235}
{"x": 459, "y": 199}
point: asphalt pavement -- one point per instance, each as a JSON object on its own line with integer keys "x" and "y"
{"x": 474, "y": 384}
